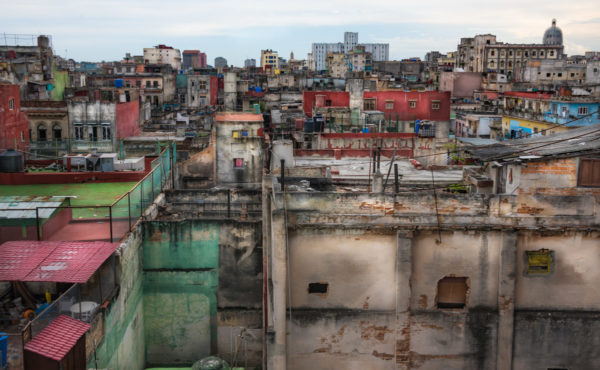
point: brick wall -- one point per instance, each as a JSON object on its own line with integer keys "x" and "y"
{"x": 554, "y": 177}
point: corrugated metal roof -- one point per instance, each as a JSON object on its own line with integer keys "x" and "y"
{"x": 572, "y": 143}
{"x": 476, "y": 140}
{"x": 61, "y": 262}
{"x": 14, "y": 207}
{"x": 57, "y": 339}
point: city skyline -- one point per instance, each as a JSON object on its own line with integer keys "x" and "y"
{"x": 237, "y": 31}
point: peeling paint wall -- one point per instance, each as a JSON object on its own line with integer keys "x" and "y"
{"x": 202, "y": 291}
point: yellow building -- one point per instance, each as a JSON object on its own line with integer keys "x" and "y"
{"x": 516, "y": 127}
{"x": 270, "y": 59}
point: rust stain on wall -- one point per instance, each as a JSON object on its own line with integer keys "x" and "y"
{"x": 373, "y": 331}
{"x": 383, "y": 356}
{"x": 423, "y": 301}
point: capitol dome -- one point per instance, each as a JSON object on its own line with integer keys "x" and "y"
{"x": 553, "y": 35}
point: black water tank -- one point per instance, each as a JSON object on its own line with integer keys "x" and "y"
{"x": 309, "y": 125}
{"x": 11, "y": 161}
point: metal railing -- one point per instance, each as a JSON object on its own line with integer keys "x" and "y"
{"x": 112, "y": 222}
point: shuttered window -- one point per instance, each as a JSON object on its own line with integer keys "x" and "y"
{"x": 589, "y": 172}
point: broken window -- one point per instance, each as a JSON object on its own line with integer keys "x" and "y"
{"x": 238, "y": 163}
{"x": 369, "y": 104}
{"x": 452, "y": 292}
{"x": 589, "y": 172}
{"x": 538, "y": 262}
{"x": 318, "y": 288}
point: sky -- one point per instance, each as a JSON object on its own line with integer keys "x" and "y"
{"x": 88, "y": 30}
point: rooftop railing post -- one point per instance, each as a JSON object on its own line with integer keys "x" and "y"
{"x": 111, "y": 222}
{"x": 37, "y": 223}
{"x": 129, "y": 208}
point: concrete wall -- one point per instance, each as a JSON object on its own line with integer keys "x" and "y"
{"x": 202, "y": 291}
{"x": 249, "y": 148}
{"x": 460, "y": 84}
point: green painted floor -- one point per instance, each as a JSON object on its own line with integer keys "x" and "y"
{"x": 87, "y": 194}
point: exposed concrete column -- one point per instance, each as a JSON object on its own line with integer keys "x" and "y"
{"x": 403, "y": 292}
{"x": 506, "y": 300}
{"x": 377, "y": 186}
{"x": 276, "y": 345}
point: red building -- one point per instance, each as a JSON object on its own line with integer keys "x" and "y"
{"x": 193, "y": 59}
{"x": 14, "y": 125}
{"x": 410, "y": 105}
{"x": 318, "y": 99}
{"x": 128, "y": 119}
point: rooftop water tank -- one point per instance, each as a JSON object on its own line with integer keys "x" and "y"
{"x": 11, "y": 161}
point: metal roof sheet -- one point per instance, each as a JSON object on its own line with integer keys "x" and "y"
{"x": 57, "y": 339}
{"x": 64, "y": 262}
{"x": 12, "y": 207}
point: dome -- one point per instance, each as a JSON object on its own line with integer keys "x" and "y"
{"x": 553, "y": 35}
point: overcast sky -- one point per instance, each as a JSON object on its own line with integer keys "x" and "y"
{"x": 239, "y": 29}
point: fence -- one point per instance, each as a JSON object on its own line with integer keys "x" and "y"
{"x": 111, "y": 222}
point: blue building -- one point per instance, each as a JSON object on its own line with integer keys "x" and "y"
{"x": 573, "y": 113}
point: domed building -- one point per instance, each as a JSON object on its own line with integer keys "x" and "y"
{"x": 553, "y": 35}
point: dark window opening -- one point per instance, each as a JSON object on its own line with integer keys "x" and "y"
{"x": 452, "y": 292}
{"x": 318, "y": 288}
{"x": 328, "y": 103}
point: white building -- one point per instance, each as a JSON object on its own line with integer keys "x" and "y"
{"x": 379, "y": 52}
{"x": 162, "y": 54}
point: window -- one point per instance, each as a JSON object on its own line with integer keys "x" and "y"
{"x": 22, "y": 136}
{"x": 582, "y": 111}
{"x": 11, "y": 104}
{"x": 548, "y": 74}
{"x": 155, "y": 84}
{"x": 57, "y": 132}
{"x": 559, "y": 74}
{"x": 318, "y": 288}
{"x": 42, "y": 132}
{"x": 147, "y": 84}
{"x": 138, "y": 83}
{"x": 492, "y": 53}
{"x": 551, "y": 53}
{"x": 412, "y": 103}
{"x": 105, "y": 133}
{"x": 589, "y": 172}
{"x": 238, "y": 163}
{"x": 526, "y": 54}
{"x": 79, "y": 133}
{"x": 369, "y": 104}
{"x": 572, "y": 74}
{"x": 452, "y": 292}
{"x": 435, "y": 105}
{"x": 538, "y": 262}
{"x": 389, "y": 104}
{"x": 202, "y": 85}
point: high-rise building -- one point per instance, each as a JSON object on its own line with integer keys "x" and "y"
{"x": 269, "y": 58}
{"x": 220, "y": 62}
{"x": 193, "y": 59}
{"x": 379, "y": 52}
{"x": 250, "y": 62}
{"x": 163, "y": 54}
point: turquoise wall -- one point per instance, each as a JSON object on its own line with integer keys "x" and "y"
{"x": 181, "y": 261}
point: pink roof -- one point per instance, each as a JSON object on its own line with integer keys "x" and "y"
{"x": 239, "y": 117}
{"x": 64, "y": 262}
{"x": 57, "y": 339}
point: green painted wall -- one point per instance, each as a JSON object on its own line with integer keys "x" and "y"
{"x": 181, "y": 261}
{"x": 61, "y": 81}
{"x": 122, "y": 346}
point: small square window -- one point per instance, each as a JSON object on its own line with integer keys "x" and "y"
{"x": 435, "y": 105}
{"x": 538, "y": 262}
{"x": 238, "y": 163}
{"x": 452, "y": 292}
{"x": 413, "y": 104}
{"x": 389, "y": 104}
{"x": 11, "y": 104}
{"x": 235, "y": 134}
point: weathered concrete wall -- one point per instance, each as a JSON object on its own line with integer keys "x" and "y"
{"x": 202, "y": 291}
{"x": 123, "y": 344}
{"x": 248, "y": 148}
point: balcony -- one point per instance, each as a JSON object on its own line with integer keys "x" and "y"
{"x": 102, "y": 146}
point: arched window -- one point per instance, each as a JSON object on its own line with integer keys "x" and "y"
{"x": 42, "y": 132}
{"x": 57, "y": 132}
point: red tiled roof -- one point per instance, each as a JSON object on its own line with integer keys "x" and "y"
{"x": 239, "y": 117}
{"x": 61, "y": 262}
{"x": 57, "y": 339}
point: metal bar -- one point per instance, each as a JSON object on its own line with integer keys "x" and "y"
{"x": 37, "y": 223}
{"x": 396, "y": 184}
{"x": 111, "y": 225}
{"x": 129, "y": 208}
{"x": 282, "y": 174}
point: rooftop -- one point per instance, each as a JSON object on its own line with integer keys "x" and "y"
{"x": 60, "y": 262}
{"x": 57, "y": 339}
{"x": 239, "y": 117}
